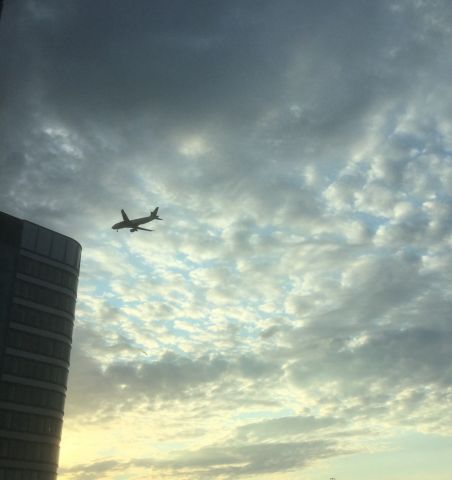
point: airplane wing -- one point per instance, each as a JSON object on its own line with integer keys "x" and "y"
{"x": 147, "y": 229}
{"x": 124, "y": 216}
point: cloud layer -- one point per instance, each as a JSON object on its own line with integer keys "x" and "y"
{"x": 293, "y": 308}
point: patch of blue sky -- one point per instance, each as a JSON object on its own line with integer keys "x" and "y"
{"x": 247, "y": 331}
{"x": 267, "y": 230}
{"x": 115, "y": 302}
{"x": 371, "y": 221}
{"x": 185, "y": 260}
{"x": 139, "y": 263}
{"x": 443, "y": 197}
{"x": 133, "y": 303}
{"x": 175, "y": 295}
{"x": 412, "y": 141}
{"x": 179, "y": 331}
{"x": 101, "y": 288}
{"x": 413, "y": 252}
{"x": 203, "y": 263}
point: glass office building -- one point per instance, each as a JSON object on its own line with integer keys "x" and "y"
{"x": 38, "y": 286}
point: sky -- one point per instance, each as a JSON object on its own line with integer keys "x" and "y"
{"x": 290, "y": 317}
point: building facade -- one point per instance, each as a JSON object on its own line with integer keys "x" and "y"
{"x": 38, "y": 286}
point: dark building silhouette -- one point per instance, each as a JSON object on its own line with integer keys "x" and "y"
{"x": 38, "y": 286}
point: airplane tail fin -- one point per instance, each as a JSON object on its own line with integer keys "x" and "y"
{"x": 154, "y": 213}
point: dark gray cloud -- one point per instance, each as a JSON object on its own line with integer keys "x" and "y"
{"x": 121, "y": 80}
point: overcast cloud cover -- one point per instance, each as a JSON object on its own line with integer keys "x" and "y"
{"x": 291, "y": 317}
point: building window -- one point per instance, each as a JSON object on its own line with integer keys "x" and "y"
{"x": 23, "y": 367}
{"x": 48, "y": 273}
{"x": 30, "y": 423}
{"x": 42, "y": 320}
{"x": 30, "y": 451}
{"x": 29, "y": 234}
{"x": 58, "y": 247}
{"x": 28, "y": 395}
{"x": 37, "y": 344}
{"x": 44, "y": 296}
{"x": 44, "y": 241}
{"x": 71, "y": 253}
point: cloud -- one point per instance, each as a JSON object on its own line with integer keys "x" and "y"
{"x": 300, "y": 156}
{"x": 286, "y": 427}
{"x": 99, "y": 388}
{"x": 220, "y": 461}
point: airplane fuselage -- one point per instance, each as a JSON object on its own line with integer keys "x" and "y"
{"x": 131, "y": 223}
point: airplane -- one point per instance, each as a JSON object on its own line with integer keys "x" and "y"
{"x": 134, "y": 224}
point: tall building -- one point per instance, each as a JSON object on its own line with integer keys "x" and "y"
{"x": 38, "y": 286}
